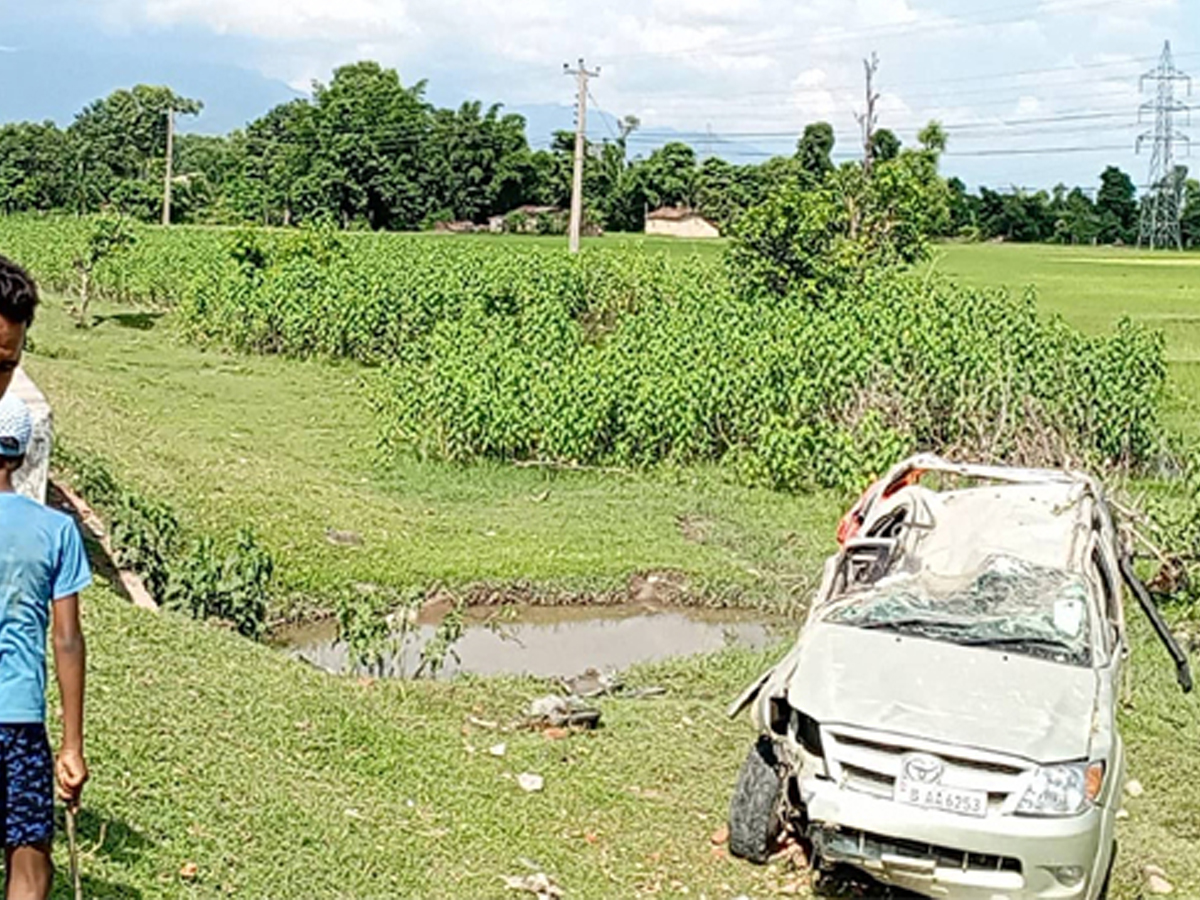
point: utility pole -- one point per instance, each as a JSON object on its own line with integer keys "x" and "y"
{"x": 868, "y": 119}
{"x": 166, "y": 217}
{"x": 1161, "y": 209}
{"x": 581, "y": 82}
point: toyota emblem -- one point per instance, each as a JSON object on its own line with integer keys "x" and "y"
{"x": 923, "y": 768}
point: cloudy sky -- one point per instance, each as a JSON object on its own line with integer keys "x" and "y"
{"x": 1032, "y": 92}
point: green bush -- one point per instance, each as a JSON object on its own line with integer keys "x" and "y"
{"x": 207, "y": 579}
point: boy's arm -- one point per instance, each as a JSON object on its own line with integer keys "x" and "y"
{"x": 70, "y": 658}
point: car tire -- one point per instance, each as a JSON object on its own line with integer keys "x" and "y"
{"x": 1112, "y": 862}
{"x": 754, "y": 811}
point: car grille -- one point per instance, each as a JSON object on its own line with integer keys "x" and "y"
{"x": 871, "y": 764}
{"x": 851, "y": 845}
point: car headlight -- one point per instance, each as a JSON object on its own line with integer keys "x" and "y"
{"x": 1065, "y": 790}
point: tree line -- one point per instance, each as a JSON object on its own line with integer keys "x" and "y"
{"x": 1068, "y": 215}
{"x": 367, "y": 151}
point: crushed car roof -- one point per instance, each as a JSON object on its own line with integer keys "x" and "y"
{"x": 1042, "y": 516}
{"x": 1043, "y": 524}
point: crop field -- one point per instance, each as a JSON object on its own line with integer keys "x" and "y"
{"x": 281, "y": 782}
{"x": 1092, "y": 287}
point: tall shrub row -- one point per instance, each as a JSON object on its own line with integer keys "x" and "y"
{"x": 629, "y": 358}
{"x": 794, "y": 396}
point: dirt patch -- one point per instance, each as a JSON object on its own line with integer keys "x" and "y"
{"x": 695, "y": 529}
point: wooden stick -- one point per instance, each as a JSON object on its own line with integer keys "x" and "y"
{"x": 73, "y": 854}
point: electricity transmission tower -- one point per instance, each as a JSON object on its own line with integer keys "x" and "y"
{"x": 1161, "y": 209}
{"x": 581, "y": 78}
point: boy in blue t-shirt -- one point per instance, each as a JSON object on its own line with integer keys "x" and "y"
{"x": 43, "y": 568}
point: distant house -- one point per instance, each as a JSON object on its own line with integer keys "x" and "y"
{"x": 680, "y": 221}
{"x": 458, "y": 227}
{"x": 529, "y": 219}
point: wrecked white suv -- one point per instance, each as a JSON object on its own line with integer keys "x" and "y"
{"x": 946, "y": 722}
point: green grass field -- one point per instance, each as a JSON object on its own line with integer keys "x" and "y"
{"x": 1093, "y": 287}
{"x": 279, "y": 782}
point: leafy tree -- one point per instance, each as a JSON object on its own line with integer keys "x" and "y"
{"x": 108, "y": 236}
{"x": 479, "y": 162}
{"x": 814, "y": 150}
{"x": 35, "y": 167}
{"x": 1017, "y": 215}
{"x": 372, "y": 136}
{"x": 1076, "y": 221}
{"x": 1116, "y": 205}
{"x": 115, "y": 141}
{"x": 1190, "y": 224}
{"x": 669, "y": 175}
{"x": 963, "y": 209}
{"x": 884, "y": 145}
{"x": 933, "y": 137}
{"x": 818, "y": 240}
{"x": 274, "y": 183}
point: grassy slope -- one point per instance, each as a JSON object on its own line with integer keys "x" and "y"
{"x": 288, "y": 447}
{"x": 280, "y": 782}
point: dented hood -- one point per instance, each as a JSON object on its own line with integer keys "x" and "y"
{"x": 982, "y": 698}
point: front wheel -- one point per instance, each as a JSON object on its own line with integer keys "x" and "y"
{"x": 754, "y": 813}
{"x": 1112, "y": 861}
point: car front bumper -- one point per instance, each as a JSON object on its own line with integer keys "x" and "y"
{"x": 940, "y": 854}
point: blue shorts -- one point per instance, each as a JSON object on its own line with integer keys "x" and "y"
{"x": 26, "y": 785}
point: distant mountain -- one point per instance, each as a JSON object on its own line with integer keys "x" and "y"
{"x": 542, "y": 120}
{"x": 60, "y": 70}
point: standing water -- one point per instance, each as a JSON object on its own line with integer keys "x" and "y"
{"x": 546, "y": 641}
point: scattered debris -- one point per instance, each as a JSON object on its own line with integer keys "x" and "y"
{"x": 498, "y": 750}
{"x": 353, "y": 814}
{"x": 188, "y": 871}
{"x": 1156, "y": 881}
{"x": 1134, "y": 788}
{"x": 343, "y": 538}
{"x": 644, "y": 692}
{"x": 530, "y": 783}
{"x": 592, "y": 683}
{"x": 556, "y": 734}
{"x": 1122, "y": 814}
{"x": 555, "y": 711}
{"x": 791, "y": 851}
{"x": 720, "y": 836}
{"x": 539, "y": 884}
{"x": 482, "y": 723}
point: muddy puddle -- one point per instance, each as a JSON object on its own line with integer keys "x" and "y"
{"x": 546, "y": 641}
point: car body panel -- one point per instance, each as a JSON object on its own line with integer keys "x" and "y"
{"x": 1005, "y": 702}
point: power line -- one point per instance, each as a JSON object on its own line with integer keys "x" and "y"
{"x": 955, "y": 126}
{"x": 603, "y": 117}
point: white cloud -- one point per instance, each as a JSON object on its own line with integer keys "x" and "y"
{"x": 1028, "y": 106}
{"x": 737, "y": 65}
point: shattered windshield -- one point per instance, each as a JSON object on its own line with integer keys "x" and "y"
{"x": 1007, "y": 604}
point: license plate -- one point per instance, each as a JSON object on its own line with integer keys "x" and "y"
{"x": 936, "y": 796}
